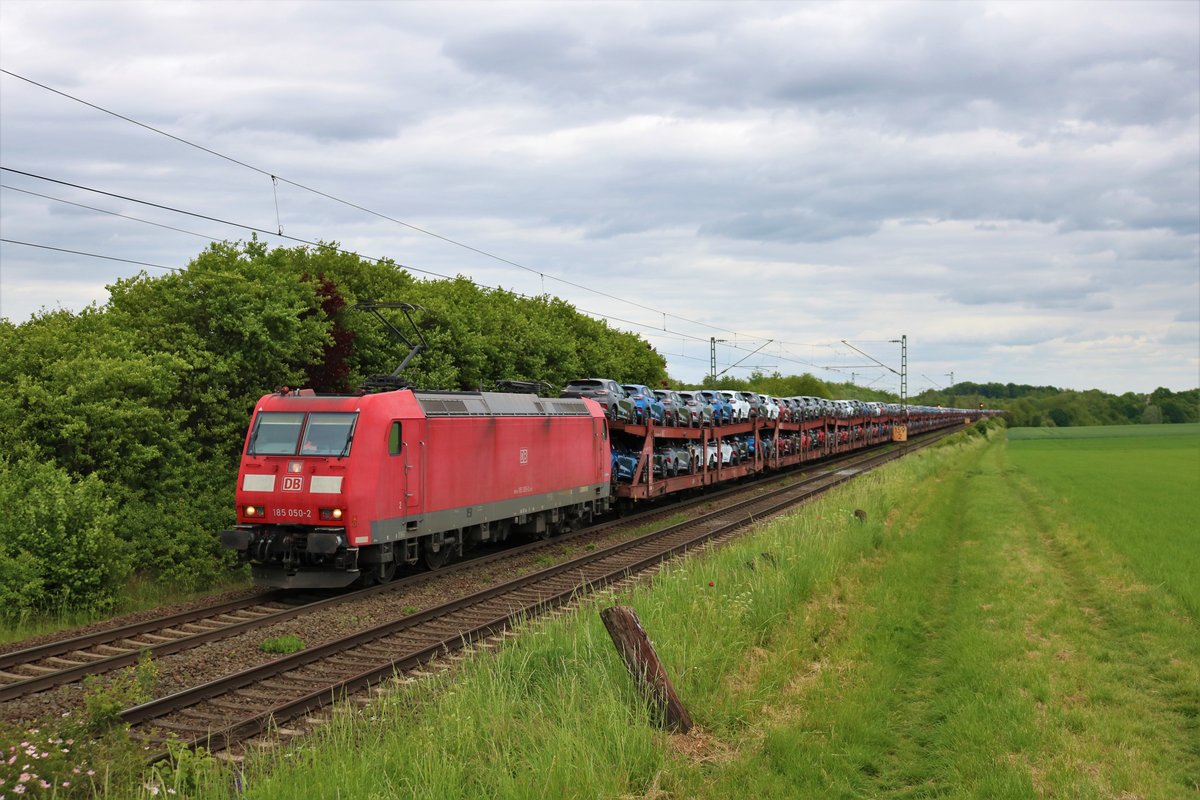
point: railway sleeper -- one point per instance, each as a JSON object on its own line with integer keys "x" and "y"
{"x": 203, "y": 716}
{"x": 292, "y": 682}
{"x": 439, "y": 630}
{"x": 175, "y": 726}
{"x": 394, "y": 641}
{"x": 38, "y": 669}
{"x": 376, "y": 651}
{"x": 175, "y": 634}
{"x": 248, "y": 613}
{"x": 64, "y": 662}
{"x": 349, "y": 661}
{"x": 241, "y": 709}
{"x": 154, "y": 638}
{"x": 110, "y": 650}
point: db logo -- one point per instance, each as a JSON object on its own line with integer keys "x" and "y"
{"x": 293, "y": 483}
{"x": 524, "y": 455}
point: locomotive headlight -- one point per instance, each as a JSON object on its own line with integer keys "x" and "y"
{"x": 255, "y": 511}
{"x": 337, "y": 513}
{"x": 331, "y": 513}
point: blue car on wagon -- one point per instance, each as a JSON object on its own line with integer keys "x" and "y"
{"x": 645, "y": 405}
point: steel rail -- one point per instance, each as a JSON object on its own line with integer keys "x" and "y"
{"x": 178, "y": 641}
{"x": 123, "y": 637}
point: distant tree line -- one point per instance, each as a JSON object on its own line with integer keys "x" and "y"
{"x": 121, "y": 425}
{"x": 1025, "y": 406}
{"x": 1048, "y": 406}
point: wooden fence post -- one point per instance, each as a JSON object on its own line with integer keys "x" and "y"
{"x": 638, "y": 653}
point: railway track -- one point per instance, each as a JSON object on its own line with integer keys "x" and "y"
{"x": 36, "y": 669}
{"x": 226, "y": 711}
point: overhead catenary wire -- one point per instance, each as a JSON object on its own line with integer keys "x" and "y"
{"x": 90, "y": 255}
{"x": 275, "y": 179}
{"x": 651, "y": 329}
{"x": 113, "y": 213}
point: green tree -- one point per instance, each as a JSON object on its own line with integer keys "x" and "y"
{"x": 56, "y": 539}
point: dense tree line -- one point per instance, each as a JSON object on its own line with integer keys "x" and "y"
{"x": 121, "y": 425}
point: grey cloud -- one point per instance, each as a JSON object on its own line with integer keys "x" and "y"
{"x": 1030, "y": 290}
{"x": 547, "y": 57}
{"x": 798, "y": 225}
{"x": 784, "y": 139}
{"x": 1184, "y": 335}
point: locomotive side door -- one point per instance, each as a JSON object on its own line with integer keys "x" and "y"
{"x": 399, "y": 485}
{"x": 390, "y": 497}
{"x": 412, "y": 454}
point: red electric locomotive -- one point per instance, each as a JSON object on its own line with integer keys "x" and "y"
{"x": 333, "y": 489}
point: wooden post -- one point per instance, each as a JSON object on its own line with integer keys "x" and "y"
{"x": 638, "y": 653}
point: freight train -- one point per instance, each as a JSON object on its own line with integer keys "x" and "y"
{"x": 334, "y": 490}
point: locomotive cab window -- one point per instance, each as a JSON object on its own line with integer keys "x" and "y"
{"x": 394, "y": 441}
{"x": 276, "y": 433}
{"x": 328, "y": 434}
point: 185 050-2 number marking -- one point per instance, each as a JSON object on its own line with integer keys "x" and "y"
{"x": 294, "y": 513}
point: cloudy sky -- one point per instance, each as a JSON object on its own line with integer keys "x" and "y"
{"x": 1014, "y": 186}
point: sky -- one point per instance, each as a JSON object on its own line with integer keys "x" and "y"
{"x": 1014, "y": 186}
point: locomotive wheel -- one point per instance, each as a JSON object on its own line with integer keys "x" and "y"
{"x": 384, "y": 572}
{"x": 433, "y": 560}
{"x": 375, "y": 574}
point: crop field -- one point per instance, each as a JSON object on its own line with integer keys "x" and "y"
{"x": 1003, "y": 620}
{"x": 1134, "y": 487}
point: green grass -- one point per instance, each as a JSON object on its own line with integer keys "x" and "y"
{"x": 283, "y": 645}
{"x": 997, "y": 650}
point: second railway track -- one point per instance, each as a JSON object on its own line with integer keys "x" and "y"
{"x": 61, "y": 662}
{"x": 226, "y": 711}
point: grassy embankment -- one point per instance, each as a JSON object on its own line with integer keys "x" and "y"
{"x": 999, "y": 626}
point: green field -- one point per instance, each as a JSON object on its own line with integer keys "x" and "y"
{"x": 1135, "y": 488}
{"x": 1011, "y": 620}
{"x": 1190, "y": 429}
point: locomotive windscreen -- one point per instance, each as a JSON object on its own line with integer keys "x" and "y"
{"x": 277, "y": 433}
